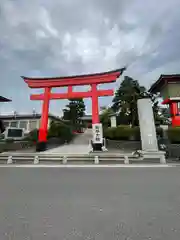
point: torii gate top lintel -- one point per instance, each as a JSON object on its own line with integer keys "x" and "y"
{"x": 87, "y": 79}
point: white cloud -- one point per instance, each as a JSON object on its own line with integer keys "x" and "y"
{"x": 45, "y": 22}
{"x": 53, "y": 38}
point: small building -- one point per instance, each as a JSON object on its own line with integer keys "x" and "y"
{"x": 28, "y": 122}
{"x": 169, "y": 88}
{"x": 87, "y": 121}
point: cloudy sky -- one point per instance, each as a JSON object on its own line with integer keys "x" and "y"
{"x": 66, "y": 37}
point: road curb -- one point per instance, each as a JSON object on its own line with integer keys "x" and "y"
{"x": 89, "y": 166}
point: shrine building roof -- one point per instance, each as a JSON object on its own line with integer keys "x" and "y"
{"x": 3, "y": 99}
{"x": 164, "y": 80}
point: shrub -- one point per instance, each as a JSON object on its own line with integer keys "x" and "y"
{"x": 122, "y": 132}
{"x": 174, "y": 134}
{"x": 32, "y": 136}
{"x": 135, "y": 134}
{"x": 60, "y": 130}
{"x": 9, "y": 140}
{"x": 109, "y": 133}
{"x": 56, "y": 130}
{"x": 159, "y": 131}
{"x": 125, "y": 132}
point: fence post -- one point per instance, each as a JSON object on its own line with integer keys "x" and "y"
{"x": 126, "y": 160}
{"x": 64, "y": 160}
{"x": 162, "y": 159}
{"x": 96, "y": 160}
{"x": 9, "y": 161}
{"x": 36, "y": 160}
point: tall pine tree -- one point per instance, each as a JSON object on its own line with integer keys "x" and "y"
{"x": 74, "y": 111}
{"x": 125, "y": 100}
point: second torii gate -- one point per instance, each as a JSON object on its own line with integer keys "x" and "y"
{"x": 89, "y": 79}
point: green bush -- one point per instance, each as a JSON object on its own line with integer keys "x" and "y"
{"x": 32, "y": 136}
{"x": 56, "y": 130}
{"x": 9, "y": 140}
{"x": 174, "y": 134}
{"x": 122, "y": 132}
{"x": 60, "y": 130}
{"x": 135, "y": 133}
{"x": 125, "y": 132}
{"x": 109, "y": 133}
{"x": 159, "y": 131}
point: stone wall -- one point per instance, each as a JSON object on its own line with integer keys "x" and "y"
{"x": 23, "y": 145}
{"x": 123, "y": 145}
{"x": 173, "y": 149}
{"x": 14, "y": 146}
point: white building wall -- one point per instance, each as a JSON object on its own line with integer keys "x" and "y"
{"x": 28, "y": 123}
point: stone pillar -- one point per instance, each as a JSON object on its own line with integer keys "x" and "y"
{"x": 147, "y": 125}
{"x": 148, "y": 131}
{"x": 113, "y": 121}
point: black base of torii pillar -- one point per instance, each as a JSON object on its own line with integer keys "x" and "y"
{"x": 41, "y": 146}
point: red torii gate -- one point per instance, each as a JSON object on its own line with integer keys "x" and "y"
{"x": 70, "y": 81}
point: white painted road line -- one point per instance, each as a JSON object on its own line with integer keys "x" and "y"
{"x": 89, "y": 166}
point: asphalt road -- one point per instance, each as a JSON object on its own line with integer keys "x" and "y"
{"x": 85, "y": 204}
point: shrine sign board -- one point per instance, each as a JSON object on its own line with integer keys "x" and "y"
{"x": 97, "y": 133}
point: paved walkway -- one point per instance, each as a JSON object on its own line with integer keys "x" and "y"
{"x": 80, "y": 145}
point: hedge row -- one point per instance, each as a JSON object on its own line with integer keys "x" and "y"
{"x": 173, "y": 134}
{"x": 125, "y": 132}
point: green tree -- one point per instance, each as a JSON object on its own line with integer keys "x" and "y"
{"x": 105, "y": 116}
{"x": 74, "y": 111}
{"x": 125, "y": 100}
{"x": 2, "y": 127}
{"x": 61, "y": 131}
{"x": 163, "y": 116}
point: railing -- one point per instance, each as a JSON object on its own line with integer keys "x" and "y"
{"x": 40, "y": 158}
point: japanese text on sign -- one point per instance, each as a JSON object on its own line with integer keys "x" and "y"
{"x": 97, "y": 133}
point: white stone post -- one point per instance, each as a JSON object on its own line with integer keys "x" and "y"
{"x": 148, "y": 131}
{"x": 147, "y": 125}
{"x": 113, "y": 121}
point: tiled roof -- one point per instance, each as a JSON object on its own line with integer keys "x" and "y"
{"x": 156, "y": 87}
{"x": 27, "y": 116}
